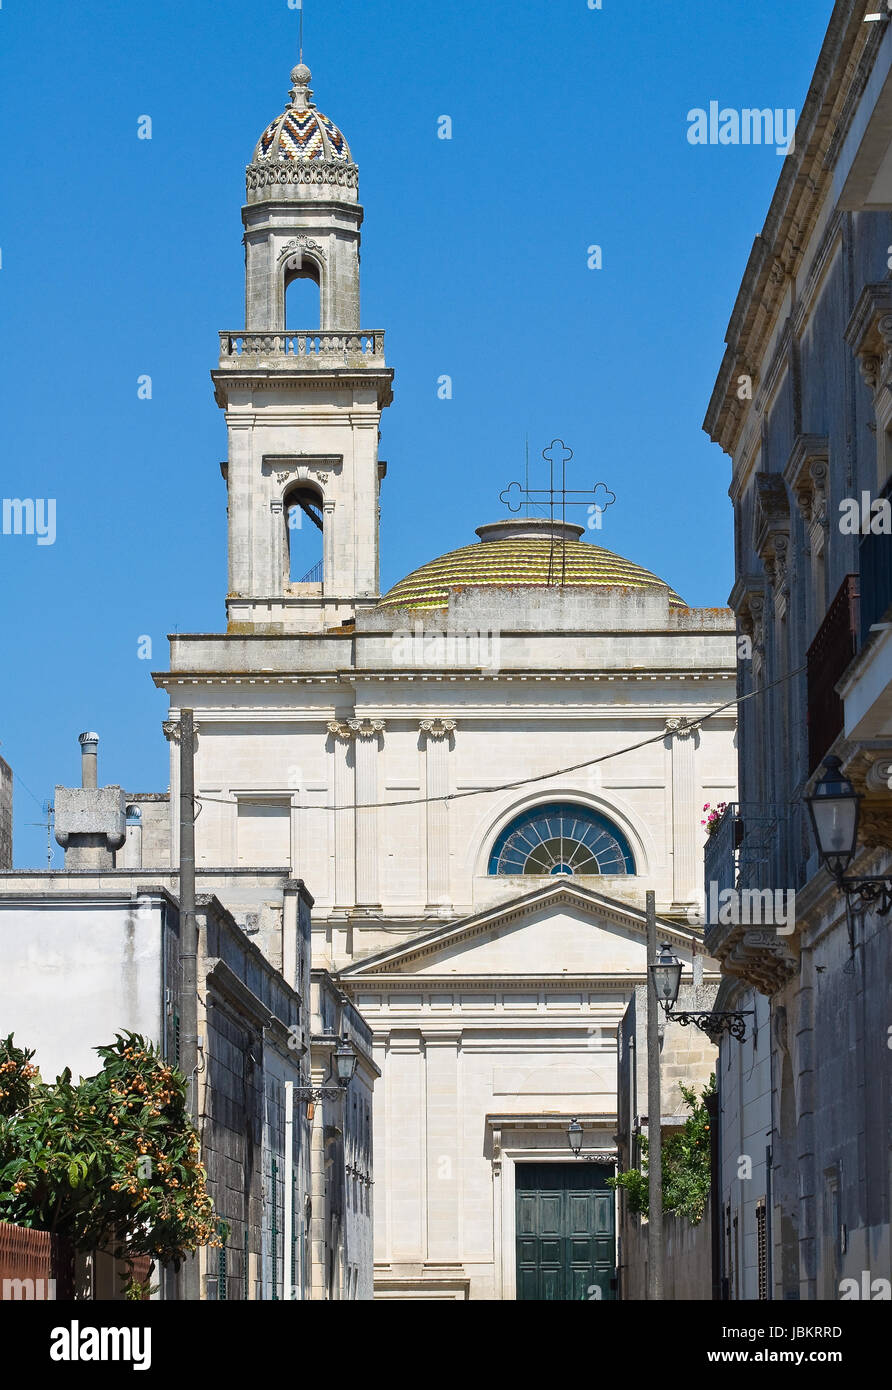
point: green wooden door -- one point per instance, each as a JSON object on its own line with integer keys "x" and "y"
{"x": 566, "y": 1246}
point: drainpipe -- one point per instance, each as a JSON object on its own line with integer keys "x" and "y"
{"x": 188, "y": 954}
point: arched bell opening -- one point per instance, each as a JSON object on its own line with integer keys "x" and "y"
{"x": 304, "y": 535}
{"x": 303, "y": 296}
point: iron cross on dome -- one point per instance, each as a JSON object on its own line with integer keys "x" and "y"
{"x": 557, "y": 456}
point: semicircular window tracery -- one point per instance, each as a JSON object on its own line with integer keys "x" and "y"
{"x": 561, "y": 838}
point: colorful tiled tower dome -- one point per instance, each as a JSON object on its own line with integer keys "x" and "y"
{"x": 301, "y": 132}
{"x": 532, "y": 552}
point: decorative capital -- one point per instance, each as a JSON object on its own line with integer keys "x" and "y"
{"x": 680, "y": 728}
{"x": 340, "y": 729}
{"x": 438, "y": 728}
{"x": 367, "y": 728}
{"x": 172, "y": 730}
{"x": 871, "y": 367}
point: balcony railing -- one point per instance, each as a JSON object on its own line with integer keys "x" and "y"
{"x": 303, "y": 348}
{"x": 875, "y": 563}
{"x": 828, "y": 657}
{"x": 745, "y": 849}
{"x": 720, "y": 853}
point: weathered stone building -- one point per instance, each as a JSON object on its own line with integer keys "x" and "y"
{"x": 93, "y": 949}
{"x": 802, "y": 406}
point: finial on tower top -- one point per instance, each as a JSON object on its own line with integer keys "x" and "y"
{"x": 301, "y": 96}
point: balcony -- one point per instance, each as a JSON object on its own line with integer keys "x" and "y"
{"x": 303, "y": 349}
{"x": 720, "y": 853}
{"x": 875, "y": 564}
{"x": 829, "y": 656}
{"x": 747, "y": 853}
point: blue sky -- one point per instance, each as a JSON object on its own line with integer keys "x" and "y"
{"x": 123, "y": 257}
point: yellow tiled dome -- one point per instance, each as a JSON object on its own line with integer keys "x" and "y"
{"x": 521, "y": 553}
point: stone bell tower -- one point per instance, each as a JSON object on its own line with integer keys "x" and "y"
{"x": 303, "y": 404}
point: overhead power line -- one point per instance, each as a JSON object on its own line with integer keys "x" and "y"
{"x": 539, "y": 777}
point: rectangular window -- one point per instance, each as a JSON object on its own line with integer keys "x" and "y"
{"x": 264, "y": 834}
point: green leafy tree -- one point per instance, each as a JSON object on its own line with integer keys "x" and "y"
{"x": 110, "y": 1163}
{"x": 686, "y": 1164}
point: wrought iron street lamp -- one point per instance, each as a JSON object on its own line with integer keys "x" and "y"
{"x": 666, "y": 972}
{"x": 345, "y": 1060}
{"x": 833, "y": 809}
{"x": 575, "y": 1134}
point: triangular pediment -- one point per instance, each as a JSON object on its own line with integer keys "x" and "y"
{"x": 562, "y": 930}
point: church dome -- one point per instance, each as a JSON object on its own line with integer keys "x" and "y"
{"x": 301, "y": 132}
{"x": 533, "y": 552}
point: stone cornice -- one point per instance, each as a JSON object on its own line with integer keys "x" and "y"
{"x": 281, "y": 173}
{"x": 460, "y": 675}
{"x": 221, "y": 977}
{"x": 418, "y": 984}
{"x": 802, "y": 190}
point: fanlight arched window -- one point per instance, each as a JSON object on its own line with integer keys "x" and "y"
{"x": 561, "y": 838}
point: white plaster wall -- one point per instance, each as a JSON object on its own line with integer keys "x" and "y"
{"x": 75, "y": 974}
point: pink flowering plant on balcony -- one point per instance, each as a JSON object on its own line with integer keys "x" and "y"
{"x": 711, "y": 821}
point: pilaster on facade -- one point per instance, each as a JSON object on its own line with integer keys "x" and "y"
{"x": 342, "y": 784}
{"x": 683, "y": 738}
{"x": 437, "y": 739}
{"x": 172, "y": 732}
{"x": 367, "y": 735}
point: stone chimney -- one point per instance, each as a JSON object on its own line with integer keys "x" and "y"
{"x": 91, "y": 820}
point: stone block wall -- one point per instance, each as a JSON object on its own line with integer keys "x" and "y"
{"x": 687, "y": 1272}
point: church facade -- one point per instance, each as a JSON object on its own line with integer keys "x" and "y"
{"x": 478, "y": 775}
